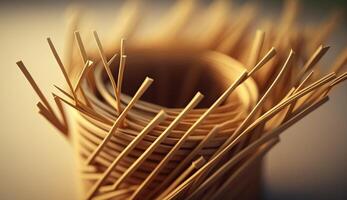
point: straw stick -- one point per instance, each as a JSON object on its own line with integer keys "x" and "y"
{"x": 250, "y": 148}
{"x": 292, "y": 106}
{"x": 267, "y": 136}
{"x": 62, "y": 68}
{"x": 246, "y": 165}
{"x": 51, "y": 118}
{"x": 187, "y": 159}
{"x": 195, "y": 165}
{"x": 178, "y": 145}
{"x": 260, "y": 103}
{"x": 115, "y": 194}
{"x": 339, "y": 79}
{"x": 146, "y": 83}
{"x": 121, "y": 67}
{"x": 62, "y": 113}
{"x": 152, "y": 124}
{"x": 80, "y": 46}
{"x": 233, "y": 161}
{"x": 47, "y": 110}
{"x": 86, "y": 66}
{"x": 107, "y": 68}
{"x": 340, "y": 62}
{"x": 264, "y": 117}
{"x": 317, "y": 55}
{"x": 256, "y": 48}
{"x": 120, "y": 75}
{"x": 33, "y": 84}
{"x": 270, "y": 54}
{"x": 80, "y": 109}
{"x": 194, "y": 102}
{"x": 80, "y": 104}
{"x": 251, "y": 115}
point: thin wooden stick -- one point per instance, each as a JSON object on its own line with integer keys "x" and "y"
{"x": 317, "y": 55}
{"x": 249, "y": 117}
{"x": 195, "y": 165}
{"x": 120, "y": 74}
{"x": 52, "y": 119}
{"x": 146, "y": 83}
{"x": 192, "y": 104}
{"x": 256, "y": 48}
{"x": 292, "y": 106}
{"x": 270, "y": 54}
{"x": 46, "y": 109}
{"x": 250, "y": 148}
{"x": 339, "y": 79}
{"x": 152, "y": 124}
{"x": 115, "y": 194}
{"x": 260, "y": 103}
{"x": 62, "y": 68}
{"x": 178, "y": 145}
{"x": 86, "y": 112}
{"x": 107, "y": 68}
{"x": 62, "y": 113}
{"x": 33, "y": 84}
{"x": 80, "y": 104}
{"x": 257, "y": 155}
{"x": 81, "y": 48}
{"x": 340, "y": 62}
{"x": 266, "y": 116}
{"x": 186, "y": 160}
{"x": 86, "y": 66}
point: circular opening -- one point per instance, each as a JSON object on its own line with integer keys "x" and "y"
{"x": 178, "y": 76}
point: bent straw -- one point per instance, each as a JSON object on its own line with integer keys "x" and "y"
{"x": 265, "y": 116}
{"x": 192, "y": 104}
{"x": 146, "y": 83}
{"x": 152, "y": 124}
{"x": 201, "y": 119}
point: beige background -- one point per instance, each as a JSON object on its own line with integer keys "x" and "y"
{"x": 37, "y": 162}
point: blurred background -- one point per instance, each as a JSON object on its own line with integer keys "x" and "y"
{"x": 37, "y": 162}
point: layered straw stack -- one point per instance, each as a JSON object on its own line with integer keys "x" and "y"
{"x": 188, "y": 111}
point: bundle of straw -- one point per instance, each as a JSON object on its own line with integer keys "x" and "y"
{"x": 189, "y": 119}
